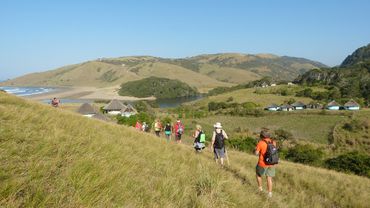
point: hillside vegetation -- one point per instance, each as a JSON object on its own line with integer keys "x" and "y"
{"x": 53, "y": 158}
{"x": 350, "y": 80}
{"x": 157, "y": 87}
{"x": 204, "y": 72}
{"x": 358, "y": 56}
{"x": 251, "y": 95}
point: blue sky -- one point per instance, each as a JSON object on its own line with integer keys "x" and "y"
{"x": 39, "y": 35}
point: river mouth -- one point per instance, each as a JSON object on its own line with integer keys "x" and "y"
{"x": 32, "y": 91}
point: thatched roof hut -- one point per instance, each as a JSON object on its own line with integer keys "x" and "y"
{"x": 333, "y": 105}
{"x": 86, "y": 109}
{"x": 114, "y": 105}
{"x": 299, "y": 105}
{"x": 272, "y": 107}
{"x": 352, "y": 105}
{"x": 128, "y": 111}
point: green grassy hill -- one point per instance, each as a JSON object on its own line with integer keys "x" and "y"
{"x": 54, "y": 158}
{"x": 157, "y": 87}
{"x": 204, "y": 72}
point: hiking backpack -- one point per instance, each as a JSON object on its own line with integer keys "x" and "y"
{"x": 219, "y": 140}
{"x": 271, "y": 156}
{"x": 180, "y": 129}
{"x": 202, "y": 137}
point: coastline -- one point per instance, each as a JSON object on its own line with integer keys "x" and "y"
{"x": 83, "y": 93}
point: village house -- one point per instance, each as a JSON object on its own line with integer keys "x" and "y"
{"x": 128, "y": 111}
{"x": 333, "y": 105}
{"x": 286, "y": 107}
{"x": 272, "y": 107}
{"x": 351, "y": 105}
{"x": 298, "y": 105}
{"x": 114, "y": 107}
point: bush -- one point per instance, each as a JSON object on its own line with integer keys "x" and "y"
{"x": 131, "y": 121}
{"x": 213, "y": 106}
{"x": 230, "y": 99}
{"x": 246, "y": 144}
{"x": 166, "y": 120}
{"x": 353, "y": 162}
{"x": 353, "y": 126}
{"x": 189, "y": 112}
{"x": 281, "y": 135}
{"x": 305, "y": 154}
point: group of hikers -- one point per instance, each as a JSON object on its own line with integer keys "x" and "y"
{"x": 266, "y": 148}
{"x": 177, "y": 129}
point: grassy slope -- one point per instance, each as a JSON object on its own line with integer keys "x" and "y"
{"x": 309, "y": 127}
{"x": 228, "y": 74}
{"x": 91, "y": 73}
{"x": 53, "y": 158}
{"x": 200, "y": 81}
{"x": 248, "y": 95}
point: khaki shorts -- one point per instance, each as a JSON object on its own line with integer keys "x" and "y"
{"x": 268, "y": 171}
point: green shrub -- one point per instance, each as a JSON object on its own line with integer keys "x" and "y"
{"x": 305, "y": 154}
{"x": 353, "y": 162}
{"x": 229, "y": 99}
{"x": 157, "y": 87}
{"x": 166, "y": 120}
{"x": 282, "y": 135}
{"x": 245, "y": 144}
{"x": 131, "y": 121}
{"x": 353, "y": 126}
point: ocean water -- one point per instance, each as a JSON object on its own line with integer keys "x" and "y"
{"x": 26, "y": 91}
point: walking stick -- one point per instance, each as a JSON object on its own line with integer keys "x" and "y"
{"x": 227, "y": 158}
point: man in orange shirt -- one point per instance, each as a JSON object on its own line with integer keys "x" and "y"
{"x": 262, "y": 168}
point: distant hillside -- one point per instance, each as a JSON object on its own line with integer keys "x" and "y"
{"x": 204, "y": 72}
{"x": 157, "y": 87}
{"x": 352, "y": 81}
{"x": 53, "y": 158}
{"x": 359, "y": 56}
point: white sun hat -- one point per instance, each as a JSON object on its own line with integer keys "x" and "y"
{"x": 217, "y": 125}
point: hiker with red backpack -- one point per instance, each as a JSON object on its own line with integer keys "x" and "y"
{"x": 138, "y": 125}
{"x": 268, "y": 156}
{"x": 178, "y": 131}
{"x": 218, "y": 143}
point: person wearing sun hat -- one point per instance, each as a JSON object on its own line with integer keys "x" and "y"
{"x": 218, "y": 143}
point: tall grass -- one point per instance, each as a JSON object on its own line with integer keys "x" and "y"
{"x": 54, "y": 158}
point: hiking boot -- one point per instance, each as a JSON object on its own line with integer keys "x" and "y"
{"x": 269, "y": 194}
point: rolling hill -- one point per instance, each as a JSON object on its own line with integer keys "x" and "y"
{"x": 54, "y": 158}
{"x": 204, "y": 72}
{"x": 352, "y": 78}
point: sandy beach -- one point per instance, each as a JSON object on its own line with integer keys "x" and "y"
{"x": 85, "y": 93}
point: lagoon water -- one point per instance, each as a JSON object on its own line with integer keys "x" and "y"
{"x": 26, "y": 91}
